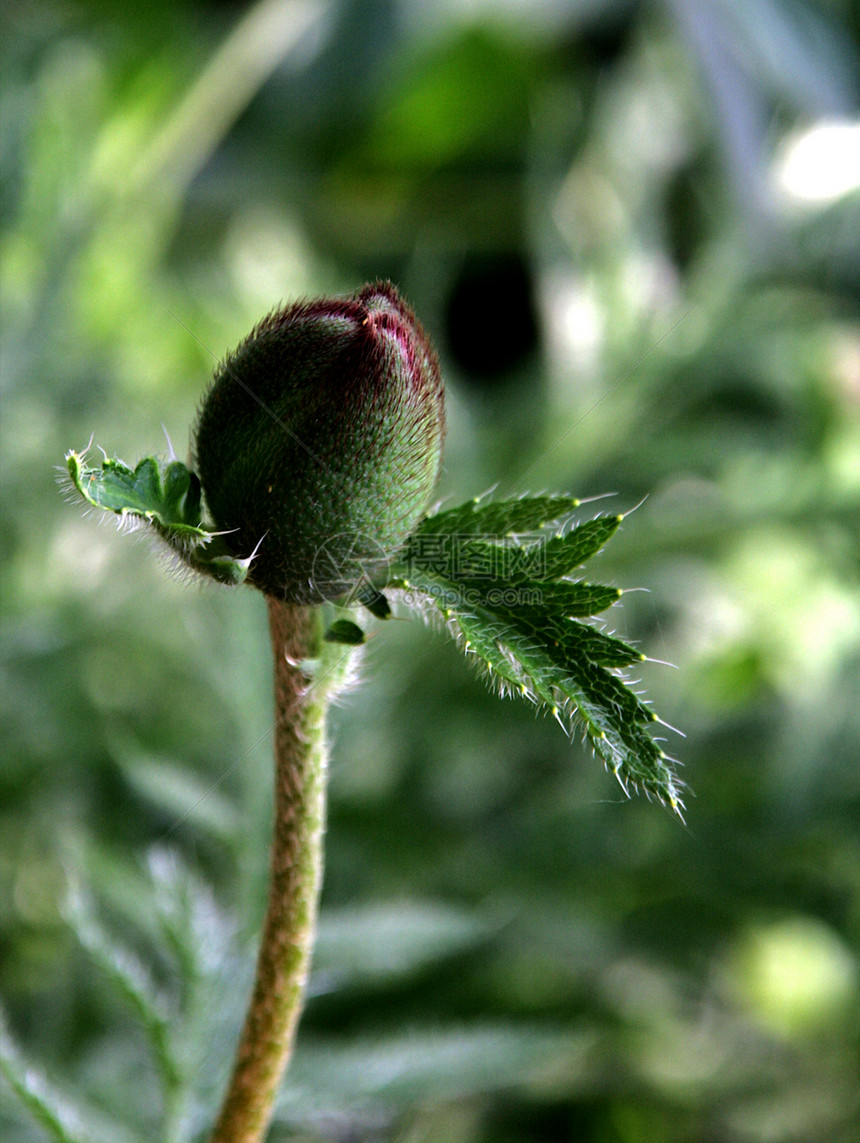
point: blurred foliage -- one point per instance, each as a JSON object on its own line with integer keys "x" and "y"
{"x": 635, "y": 287}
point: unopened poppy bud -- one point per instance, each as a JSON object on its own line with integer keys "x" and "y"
{"x": 318, "y": 444}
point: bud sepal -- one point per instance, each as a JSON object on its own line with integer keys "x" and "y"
{"x": 165, "y": 496}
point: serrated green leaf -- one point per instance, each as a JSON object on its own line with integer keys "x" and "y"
{"x": 465, "y": 556}
{"x": 564, "y": 600}
{"x": 575, "y": 600}
{"x": 564, "y": 639}
{"x": 564, "y": 554}
{"x": 499, "y": 518}
{"x": 512, "y": 608}
{"x": 166, "y": 495}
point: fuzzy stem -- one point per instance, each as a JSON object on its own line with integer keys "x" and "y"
{"x": 296, "y": 875}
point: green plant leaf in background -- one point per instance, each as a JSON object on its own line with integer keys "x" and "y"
{"x": 63, "y": 1118}
{"x": 509, "y": 599}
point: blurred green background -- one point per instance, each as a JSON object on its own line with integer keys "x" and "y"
{"x": 633, "y": 230}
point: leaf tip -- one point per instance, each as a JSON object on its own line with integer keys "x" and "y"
{"x": 677, "y": 806}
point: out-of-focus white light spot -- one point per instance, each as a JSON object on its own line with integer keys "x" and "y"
{"x": 575, "y": 325}
{"x": 649, "y": 282}
{"x": 796, "y": 975}
{"x": 821, "y": 164}
{"x": 269, "y": 257}
{"x": 581, "y": 323}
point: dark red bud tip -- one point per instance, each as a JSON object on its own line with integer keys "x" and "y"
{"x": 319, "y": 441}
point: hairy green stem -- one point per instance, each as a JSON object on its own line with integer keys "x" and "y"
{"x": 283, "y": 961}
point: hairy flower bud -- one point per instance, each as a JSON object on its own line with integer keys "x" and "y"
{"x": 319, "y": 441}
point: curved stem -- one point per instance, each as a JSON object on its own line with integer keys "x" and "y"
{"x": 283, "y": 960}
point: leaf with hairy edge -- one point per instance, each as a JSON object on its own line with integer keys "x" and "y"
{"x": 540, "y": 556}
{"x": 513, "y": 607}
{"x": 167, "y": 496}
{"x": 564, "y": 554}
{"x": 501, "y": 517}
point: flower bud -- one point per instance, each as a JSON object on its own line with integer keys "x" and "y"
{"x": 319, "y": 441}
